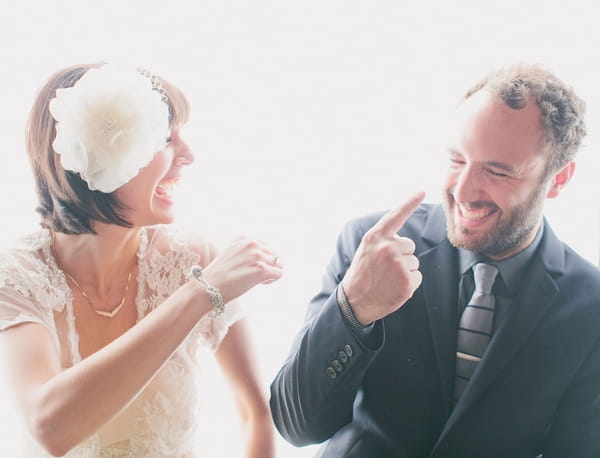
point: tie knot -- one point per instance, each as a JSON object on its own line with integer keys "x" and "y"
{"x": 484, "y": 275}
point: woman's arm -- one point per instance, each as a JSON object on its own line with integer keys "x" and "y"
{"x": 63, "y": 407}
{"x": 236, "y": 359}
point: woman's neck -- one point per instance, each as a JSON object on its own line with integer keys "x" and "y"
{"x": 98, "y": 261}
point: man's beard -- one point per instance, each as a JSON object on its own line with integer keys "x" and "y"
{"x": 511, "y": 230}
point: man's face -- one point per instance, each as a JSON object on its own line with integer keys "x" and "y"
{"x": 494, "y": 191}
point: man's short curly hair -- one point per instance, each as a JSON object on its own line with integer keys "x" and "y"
{"x": 562, "y": 111}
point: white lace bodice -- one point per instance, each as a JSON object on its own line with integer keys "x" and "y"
{"x": 161, "y": 421}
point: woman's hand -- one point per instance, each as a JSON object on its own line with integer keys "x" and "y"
{"x": 241, "y": 266}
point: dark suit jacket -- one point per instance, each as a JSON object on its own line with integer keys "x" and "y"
{"x": 536, "y": 391}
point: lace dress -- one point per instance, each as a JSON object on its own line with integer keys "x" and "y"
{"x": 161, "y": 421}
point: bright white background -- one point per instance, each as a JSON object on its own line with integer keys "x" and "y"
{"x": 304, "y": 114}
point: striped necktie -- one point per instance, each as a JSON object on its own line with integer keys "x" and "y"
{"x": 475, "y": 327}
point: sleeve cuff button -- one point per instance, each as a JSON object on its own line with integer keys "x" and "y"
{"x": 331, "y": 373}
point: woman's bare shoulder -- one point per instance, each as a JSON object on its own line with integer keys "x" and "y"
{"x": 172, "y": 238}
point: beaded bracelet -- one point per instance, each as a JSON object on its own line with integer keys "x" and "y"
{"x": 216, "y": 298}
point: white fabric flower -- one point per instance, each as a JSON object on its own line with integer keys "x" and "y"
{"x": 110, "y": 125}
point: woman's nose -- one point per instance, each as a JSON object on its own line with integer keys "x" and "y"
{"x": 183, "y": 154}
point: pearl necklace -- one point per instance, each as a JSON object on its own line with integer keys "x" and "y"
{"x": 102, "y": 313}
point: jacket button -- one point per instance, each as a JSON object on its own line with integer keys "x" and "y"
{"x": 336, "y": 365}
{"x": 348, "y": 350}
{"x": 343, "y": 357}
{"x": 331, "y": 373}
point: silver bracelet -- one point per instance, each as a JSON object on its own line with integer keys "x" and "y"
{"x": 216, "y": 298}
{"x": 346, "y": 309}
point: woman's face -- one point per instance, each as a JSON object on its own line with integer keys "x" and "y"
{"x": 149, "y": 195}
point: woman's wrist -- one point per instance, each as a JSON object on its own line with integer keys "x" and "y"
{"x": 196, "y": 297}
{"x": 216, "y": 298}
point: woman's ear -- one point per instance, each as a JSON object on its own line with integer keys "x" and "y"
{"x": 560, "y": 179}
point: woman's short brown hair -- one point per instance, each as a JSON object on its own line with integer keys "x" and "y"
{"x": 66, "y": 204}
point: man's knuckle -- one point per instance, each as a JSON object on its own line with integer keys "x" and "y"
{"x": 389, "y": 251}
{"x": 370, "y": 236}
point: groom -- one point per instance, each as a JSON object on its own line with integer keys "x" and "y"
{"x": 466, "y": 329}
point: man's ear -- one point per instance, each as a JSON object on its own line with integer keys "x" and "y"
{"x": 560, "y": 179}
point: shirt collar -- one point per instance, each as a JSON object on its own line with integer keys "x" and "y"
{"x": 511, "y": 269}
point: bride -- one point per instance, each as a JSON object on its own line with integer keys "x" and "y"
{"x": 102, "y": 309}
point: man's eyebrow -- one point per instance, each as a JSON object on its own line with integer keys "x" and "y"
{"x": 503, "y": 166}
{"x": 496, "y": 164}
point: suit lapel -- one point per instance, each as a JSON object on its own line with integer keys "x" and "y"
{"x": 439, "y": 266}
{"x": 440, "y": 291}
{"x": 529, "y": 307}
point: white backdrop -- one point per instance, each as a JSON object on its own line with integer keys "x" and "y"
{"x": 304, "y": 114}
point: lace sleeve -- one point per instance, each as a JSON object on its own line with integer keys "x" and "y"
{"x": 16, "y": 309}
{"x": 165, "y": 263}
{"x": 26, "y": 291}
{"x": 212, "y": 331}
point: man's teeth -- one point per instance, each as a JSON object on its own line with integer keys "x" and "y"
{"x": 475, "y": 214}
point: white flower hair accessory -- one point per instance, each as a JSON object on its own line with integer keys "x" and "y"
{"x": 109, "y": 125}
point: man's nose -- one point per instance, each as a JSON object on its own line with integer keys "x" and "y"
{"x": 468, "y": 185}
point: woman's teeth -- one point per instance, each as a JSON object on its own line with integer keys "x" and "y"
{"x": 165, "y": 189}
